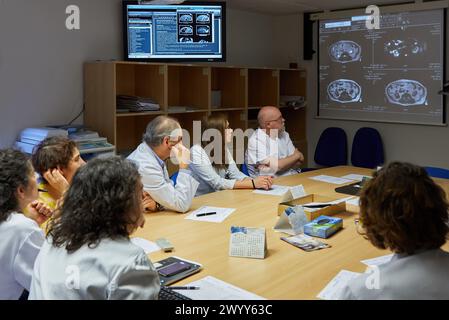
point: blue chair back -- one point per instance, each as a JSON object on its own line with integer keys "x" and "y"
{"x": 437, "y": 172}
{"x": 332, "y": 148}
{"x": 174, "y": 177}
{"x": 367, "y": 148}
{"x": 244, "y": 169}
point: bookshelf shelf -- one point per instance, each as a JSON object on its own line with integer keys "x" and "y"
{"x": 237, "y": 91}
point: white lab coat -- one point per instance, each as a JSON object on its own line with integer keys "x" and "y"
{"x": 114, "y": 270}
{"x": 261, "y": 147}
{"x": 157, "y": 183}
{"x": 20, "y": 242}
{"x": 212, "y": 179}
{"x": 420, "y": 276}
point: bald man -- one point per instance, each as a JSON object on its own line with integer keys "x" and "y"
{"x": 270, "y": 149}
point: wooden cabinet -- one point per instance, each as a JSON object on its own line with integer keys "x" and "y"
{"x": 188, "y": 93}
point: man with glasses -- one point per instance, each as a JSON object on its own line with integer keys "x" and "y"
{"x": 270, "y": 149}
{"x": 163, "y": 140}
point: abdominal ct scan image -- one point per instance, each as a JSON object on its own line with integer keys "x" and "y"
{"x": 344, "y": 91}
{"x": 401, "y": 48}
{"x": 345, "y": 51}
{"x": 406, "y": 93}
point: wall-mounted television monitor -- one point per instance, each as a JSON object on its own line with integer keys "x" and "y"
{"x": 192, "y": 31}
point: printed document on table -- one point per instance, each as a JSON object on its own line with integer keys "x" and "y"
{"x": 354, "y": 201}
{"x": 377, "y": 261}
{"x": 146, "y": 245}
{"x": 336, "y": 285}
{"x": 211, "y": 288}
{"x": 330, "y": 179}
{"x": 276, "y": 190}
{"x": 355, "y": 177}
{"x": 220, "y": 216}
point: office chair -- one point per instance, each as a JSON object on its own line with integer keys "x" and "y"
{"x": 367, "y": 148}
{"x": 244, "y": 169}
{"x": 332, "y": 148}
{"x": 437, "y": 172}
{"x": 174, "y": 177}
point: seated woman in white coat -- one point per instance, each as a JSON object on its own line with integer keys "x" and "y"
{"x": 20, "y": 236}
{"x": 219, "y": 171}
{"x": 405, "y": 211}
{"x": 88, "y": 253}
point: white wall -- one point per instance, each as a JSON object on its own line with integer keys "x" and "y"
{"x": 41, "y": 62}
{"x": 423, "y": 145}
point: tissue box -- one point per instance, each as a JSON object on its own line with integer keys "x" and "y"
{"x": 323, "y": 227}
{"x": 313, "y": 214}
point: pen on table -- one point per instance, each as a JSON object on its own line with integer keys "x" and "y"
{"x": 317, "y": 205}
{"x": 184, "y": 288}
{"x": 205, "y": 214}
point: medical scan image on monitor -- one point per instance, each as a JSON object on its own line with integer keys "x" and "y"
{"x": 389, "y": 74}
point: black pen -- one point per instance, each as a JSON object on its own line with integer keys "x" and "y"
{"x": 205, "y": 214}
{"x": 317, "y": 205}
{"x": 184, "y": 288}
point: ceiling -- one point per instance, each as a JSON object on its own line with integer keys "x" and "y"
{"x": 284, "y": 7}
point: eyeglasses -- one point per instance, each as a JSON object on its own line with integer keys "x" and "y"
{"x": 281, "y": 118}
{"x": 175, "y": 142}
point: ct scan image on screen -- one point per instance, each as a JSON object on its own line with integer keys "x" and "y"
{"x": 390, "y": 74}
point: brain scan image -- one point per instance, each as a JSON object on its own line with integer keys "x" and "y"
{"x": 403, "y": 48}
{"x": 186, "y": 39}
{"x": 203, "y": 41}
{"x": 406, "y": 93}
{"x": 186, "y": 18}
{"x": 345, "y": 51}
{"x": 202, "y": 30}
{"x": 186, "y": 30}
{"x": 344, "y": 91}
{"x": 204, "y": 18}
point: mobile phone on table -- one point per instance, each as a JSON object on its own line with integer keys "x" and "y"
{"x": 173, "y": 269}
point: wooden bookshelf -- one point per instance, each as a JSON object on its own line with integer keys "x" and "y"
{"x": 188, "y": 93}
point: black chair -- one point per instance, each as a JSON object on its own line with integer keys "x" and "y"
{"x": 367, "y": 149}
{"x": 332, "y": 148}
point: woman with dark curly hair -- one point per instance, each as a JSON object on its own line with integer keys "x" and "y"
{"x": 20, "y": 236}
{"x": 88, "y": 253}
{"x": 403, "y": 210}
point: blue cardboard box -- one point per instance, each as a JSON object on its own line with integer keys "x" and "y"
{"x": 323, "y": 226}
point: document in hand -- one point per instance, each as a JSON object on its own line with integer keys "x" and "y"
{"x": 334, "y": 288}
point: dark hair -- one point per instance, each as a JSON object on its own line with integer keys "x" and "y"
{"x": 216, "y": 121}
{"x": 53, "y": 152}
{"x": 97, "y": 204}
{"x": 15, "y": 168}
{"x": 402, "y": 209}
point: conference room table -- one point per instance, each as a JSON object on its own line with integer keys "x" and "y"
{"x": 287, "y": 272}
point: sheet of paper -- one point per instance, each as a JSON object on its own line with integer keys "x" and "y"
{"x": 377, "y": 261}
{"x": 334, "y": 287}
{"x": 355, "y": 177}
{"x": 214, "y": 289}
{"x": 330, "y": 179}
{"x": 146, "y": 245}
{"x": 220, "y": 216}
{"x": 354, "y": 201}
{"x": 276, "y": 190}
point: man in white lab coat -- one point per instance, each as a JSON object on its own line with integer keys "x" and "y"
{"x": 270, "y": 149}
{"x": 162, "y": 140}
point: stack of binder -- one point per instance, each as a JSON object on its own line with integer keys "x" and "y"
{"x": 136, "y": 104}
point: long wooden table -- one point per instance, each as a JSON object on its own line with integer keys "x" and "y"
{"x": 287, "y": 272}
